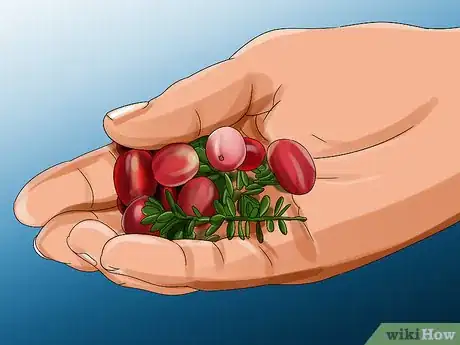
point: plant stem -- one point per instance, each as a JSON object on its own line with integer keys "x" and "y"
{"x": 239, "y": 218}
{"x": 261, "y": 219}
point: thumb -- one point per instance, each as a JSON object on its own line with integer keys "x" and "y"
{"x": 217, "y": 96}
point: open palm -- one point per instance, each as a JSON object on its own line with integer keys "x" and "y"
{"x": 374, "y": 106}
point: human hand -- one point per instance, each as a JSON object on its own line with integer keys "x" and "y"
{"x": 377, "y": 107}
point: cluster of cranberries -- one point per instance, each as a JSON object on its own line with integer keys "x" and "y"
{"x": 139, "y": 174}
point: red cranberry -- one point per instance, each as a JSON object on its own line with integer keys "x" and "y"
{"x": 175, "y": 164}
{"x": 201, "y": 193}
{"x": 255, "y": 154}
{"x": 131, "y": 220}
{"x": 133, "y": 175}
{"x": 292, "y": 166}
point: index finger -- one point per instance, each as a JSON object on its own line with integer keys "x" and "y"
{"x": 84, "y": 184}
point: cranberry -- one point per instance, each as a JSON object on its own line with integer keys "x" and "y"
{"x": 225, "y": 149}
{"x": 133, "y": 175}
{"x": 292, "y": 166}
{"x": 175, "y": 164}
{"x": 131, "y": 220}
{"x": 161, "y": 195}
{"x": 121, "y": 207}
{"x": 255, "y": 153}
{"x": 201, "y": 193}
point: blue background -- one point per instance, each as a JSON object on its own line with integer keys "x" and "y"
{"x": 63, "y": 64}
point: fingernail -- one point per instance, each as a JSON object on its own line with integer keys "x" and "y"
{"x": 127, "y": 109}
{"x": 37, "y": 251}
{"x": 88, "y": 258}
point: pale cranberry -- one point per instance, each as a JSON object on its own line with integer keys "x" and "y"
{"x": 225, "y": 149}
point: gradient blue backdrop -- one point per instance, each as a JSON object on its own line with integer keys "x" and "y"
{"x": 63, "y": 64}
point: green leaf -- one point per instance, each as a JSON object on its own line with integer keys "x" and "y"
{"x": 252, "y": 186}
{"x": 278, "y": 205}
{"x": 149, "y": 210}
{"x": 201, "y": 155}
{"x": 177, "y": 231}
{"x": 169, "y": 199}
{"x": 213, "y": 238}
{"x": 166, "y": 227}
{"x": 239, "y": 180}
{"x": 284, "y": 210}
{"x": 240, "y": 230}
{"x": 190, "y": 228}
{"x": 178, "y": 235}
{"x": 165, "y": 217}
{"x": 178, "y": 211}
{"x": 231, "y": 206}
{"x": 217, "y": 220}
{"x": 236, "y": 195}
{"x": 282, "y": 226}
{"x": 191, "y": 236}
{"x": 267, "y": 183}
{"x": 270, "y": 225}
{"x": 154, "y": 201}
{"x": 157, "y": 226}
{"x": 196, "y": 211}
{"x": 253, "y": 201}
{"x": 202, "y": 220}
{"x": 249, "y": 208}
{"x": 264, "y": 205}
{"x": 228, "y": 185}
{"x": 230, "y": 230}
{"x": 149, "y": 219}
{"x": 219, "y": 208}
{"x": 268, "y": 177}
{"x": 244, "y": 178}
{"x": 247, "y": 229}
{"x": 259, "y": 233}
{"x": 204, "y": 169}
{"x": 242, "y": 206}
{"x": 220, "y": 184}
{"x": 224, "y": 196}
{"x": 262, "y": 167}
{"x": 211, "y": 230}
{"x": 213, "y": 177}
{"x": 254, "y": 213}
{"x": 254, "y": 191}
{"x": 266, "y": 172}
